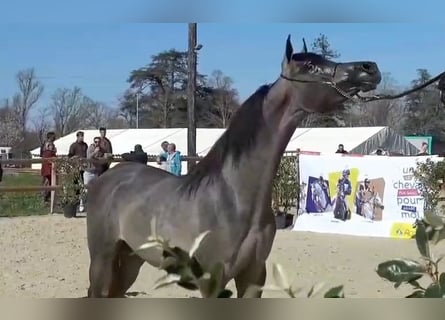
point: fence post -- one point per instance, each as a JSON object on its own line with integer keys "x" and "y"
{"x": 53, "y": 183}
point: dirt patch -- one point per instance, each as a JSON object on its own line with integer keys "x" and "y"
{"x": 47, "y": 257}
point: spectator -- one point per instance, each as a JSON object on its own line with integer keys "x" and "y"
{"x": 78, "y": 149}
{"x": 174, "y": 164}
{"x": 163, "y": 162}
{"x": 163, "y": 155}
{"x": 380, "y": 152}
{"x": 105, "y": 145}
{"x": 138, "y": 155}
{"x": 341, "y": 149}
{"x": 94, "y": 152}
{"x": 46, "y": 169}
{"x": 50, "y": 137}
{"x": 423, "y": 149}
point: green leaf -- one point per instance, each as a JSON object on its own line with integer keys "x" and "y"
{"x": 225, "y": 294}
{"x": 189, "y": 285}
{"x": 196, "y": 267}
{"x": 439, "y": 259}
{"x": 438, "y": 235}
{"x": 442, "y": 282}
{"x": 280, "y": 276}
{"x": 167, "y": 280}
{"x": 148, "y": 245}
{"x": 433, "y": 291}
{"x": 422, "y": 241}
{"x": 433, "y": 219}
{"x": 335, "y": 292}
{"x": 167, "y": 262}
{"x": 315, "y": 289}
{"x": 295, "y": 290}
{"x": 197, "y": 243}
{"x": 416, "y": 294}
{"x": 415, "y": 284}
{"x": 401, "y": 270}
{"x": 181, "y": 256}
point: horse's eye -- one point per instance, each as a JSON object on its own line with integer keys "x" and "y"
{"x": 311, "y": 67}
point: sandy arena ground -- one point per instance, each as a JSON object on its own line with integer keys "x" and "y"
{"x": 47, "y": 257}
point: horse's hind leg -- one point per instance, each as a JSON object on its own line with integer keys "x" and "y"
{"x": 255, "y": 275}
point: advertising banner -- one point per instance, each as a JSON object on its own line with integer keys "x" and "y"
{"x": 359, "y": 195}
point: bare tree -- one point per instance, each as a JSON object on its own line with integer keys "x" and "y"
{"x": 30, "y": 90}
{"x": 116, "y": 120}
{"x": 379, "y": 113}
{"x": 68, "y": 110}
{"x": 224, "y": 99}
{"x": 99, "y": 114}
{"x": 41, "y": 123}
{"x": 10, "y": 131}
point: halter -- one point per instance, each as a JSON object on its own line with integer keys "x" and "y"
{"x": 374, "y": 97}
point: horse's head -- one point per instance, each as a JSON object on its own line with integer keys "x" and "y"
{"x": 322, "y": 85}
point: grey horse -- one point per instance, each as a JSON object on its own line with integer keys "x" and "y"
{"x": 228, "y": 193}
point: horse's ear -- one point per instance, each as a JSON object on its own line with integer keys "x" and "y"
{"x": 304, "y": 46}
{"x": 289, "y": 49}
{"x": 287, "y": 55}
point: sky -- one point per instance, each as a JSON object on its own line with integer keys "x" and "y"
{"x": 98, "y": 57}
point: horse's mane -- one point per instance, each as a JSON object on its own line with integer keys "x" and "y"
{"x": 238, "y": 139}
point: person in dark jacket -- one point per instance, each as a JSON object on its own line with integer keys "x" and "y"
{"x": 106, "y": 145}
{"x": 138, "y": 155}
{"x": 50, "y": 138}
{"x": 78, "y": 149}
{"x": 46, "y": 169}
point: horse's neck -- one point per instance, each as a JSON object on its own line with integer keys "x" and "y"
{"x": 252, "y": 177}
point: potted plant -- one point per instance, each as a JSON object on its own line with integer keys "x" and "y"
{"x": 430, "y": 176}
{"x": 285, "y": 191}
{"x": 69, "y": 173}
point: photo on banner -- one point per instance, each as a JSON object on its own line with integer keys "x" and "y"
{"x": 366, "y": 195}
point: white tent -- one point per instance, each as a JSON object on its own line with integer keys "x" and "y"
{"x": 325, "y": 140}
{"x": 358, "y": 140}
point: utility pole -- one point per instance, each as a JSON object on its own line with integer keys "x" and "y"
{"x": 137, "y": 110}
{"x": 191, "y": 88}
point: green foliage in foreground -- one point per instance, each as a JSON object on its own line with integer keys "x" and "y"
{"x": 16, "y": 204}
{"x": 429, "y": 230}
{"x": 184, "y": 270}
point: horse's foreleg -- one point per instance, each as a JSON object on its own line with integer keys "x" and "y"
{"x": 101, "y": 276}
{"x": 105, "y": 275}
{"x": 254, "y": 275}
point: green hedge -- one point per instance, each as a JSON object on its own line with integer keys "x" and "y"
{"x": 286, "y": 186}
